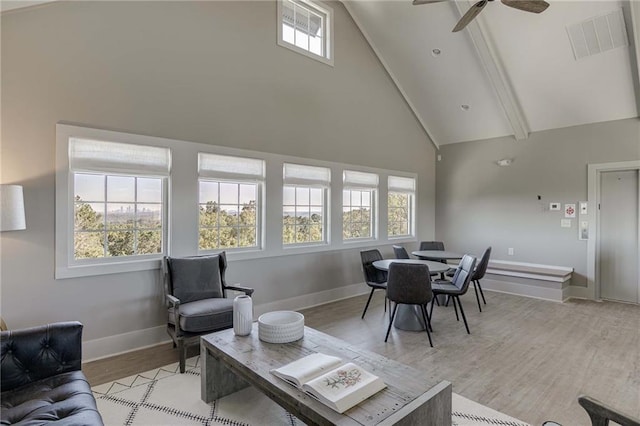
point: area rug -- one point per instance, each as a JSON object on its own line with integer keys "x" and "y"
{"x": 163, "y": 396}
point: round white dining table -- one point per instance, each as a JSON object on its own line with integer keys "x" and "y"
{"x": 409, "y": 317}
{"x": 436, "y": 254}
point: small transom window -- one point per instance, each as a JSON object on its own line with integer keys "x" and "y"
{"x": 305, "y": 26}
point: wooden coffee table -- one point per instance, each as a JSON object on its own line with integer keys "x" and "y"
{"x": 231, "y": 363}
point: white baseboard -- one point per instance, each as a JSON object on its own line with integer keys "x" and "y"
{"x": 121, "y": 343}
{"x": 553, "y": 294}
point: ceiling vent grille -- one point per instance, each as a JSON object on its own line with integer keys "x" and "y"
{"x": 598, "y": 34}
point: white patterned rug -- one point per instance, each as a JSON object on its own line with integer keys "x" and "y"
{"x": 163, "y": 396}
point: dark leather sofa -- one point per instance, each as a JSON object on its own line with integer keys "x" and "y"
{"x": 42, "y": 381}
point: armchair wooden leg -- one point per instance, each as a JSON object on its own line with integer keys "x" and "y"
{"x": 182, "y": 350}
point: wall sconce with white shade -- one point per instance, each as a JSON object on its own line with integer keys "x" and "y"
{"x": 12, "y": 208}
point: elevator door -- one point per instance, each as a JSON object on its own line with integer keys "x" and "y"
{"x": 618, "y": 238}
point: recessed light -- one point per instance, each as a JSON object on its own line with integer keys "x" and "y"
{"x": 436, "y": 52}
{"x": 464, "y": 107}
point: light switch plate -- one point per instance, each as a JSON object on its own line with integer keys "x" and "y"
{"x": 583, "y": 208}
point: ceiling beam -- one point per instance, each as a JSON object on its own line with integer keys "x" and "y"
{"x": 490, "y": 59}
{"x": 634, "y": 9}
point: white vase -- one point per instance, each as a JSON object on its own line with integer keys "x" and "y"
{"x": 242, "y": 315}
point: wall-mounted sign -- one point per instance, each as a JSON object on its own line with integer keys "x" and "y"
{"x": 554, "y": 206}
{"x": 569, "y": 210}
{"x": 565, "y": 223}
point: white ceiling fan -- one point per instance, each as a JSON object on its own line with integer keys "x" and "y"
{"x": 534, "y": 6}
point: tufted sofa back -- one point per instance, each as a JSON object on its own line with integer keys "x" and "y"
{"x": 39, "y": 352}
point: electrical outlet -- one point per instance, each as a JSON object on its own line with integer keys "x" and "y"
{"x": 510, "y": 251}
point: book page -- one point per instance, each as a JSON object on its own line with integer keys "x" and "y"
{"x": 345, "y": 382}
{"x": 307, "y": 368}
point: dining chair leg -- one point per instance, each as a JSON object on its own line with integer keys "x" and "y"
{"x": 368, "y": 301}
{"x": 431, "y": 310}
{"x": 395, "y": 308}
{"x": 464, "y": 318}
{"x": 481, "y": 293}
{"x": 436, "y": 299}
{"x": 446, "y": 304}
{"x": 427, "y": 324}
{"x": 455, "y": 308}
{"x": 475, "y": 287}
{"x": 428, "y": 317}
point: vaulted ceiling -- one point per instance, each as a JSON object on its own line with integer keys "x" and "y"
{"x": 516, "y": 71}
{"x": 508, "y": 73}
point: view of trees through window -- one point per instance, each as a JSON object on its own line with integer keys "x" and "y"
{"x": 356, "y": 214}
{"x": 228, "y": 213}
{"x": 116, "y": 216}
{"x": 399, "y": 214}
{"x": 302, "y": 214}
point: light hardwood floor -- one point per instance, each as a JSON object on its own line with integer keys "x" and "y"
{"x": 528, "y": 358}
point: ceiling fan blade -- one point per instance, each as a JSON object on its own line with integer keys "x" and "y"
{"x": 535, "y": 6}
{"x": 471, "y": 13}
{"x": 418, "y": 2}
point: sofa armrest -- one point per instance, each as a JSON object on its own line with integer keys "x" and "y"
{"x": 246, "y": 290}
{"x": 36, "y": 353}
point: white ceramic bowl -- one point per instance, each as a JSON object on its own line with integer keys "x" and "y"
{"x": 281, "y": 326}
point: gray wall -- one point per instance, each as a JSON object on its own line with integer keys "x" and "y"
{"x": 208, "y": 72}
{"x": 480, "y": 204}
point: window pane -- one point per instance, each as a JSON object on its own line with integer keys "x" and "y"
{"x": 302, "y": 40}
{"x": 288, "y": 234}
{"x": 228, "y": 237}
{"x": 315, "y": 22}
{"x": 88, "y": 245}
{"x": 208, "y": 191}
{"x": 287, "y": 33}
{"x": 247, "y": 194}
{"x": 228, "y": 193}
{"x": 316, "y": 196}
{"x": 366, "y": 198}
{"x": 89, "y": 216}
{"x": 302, "y": 196}
{"x": 302, "y": 234}
{"x": 149, "y": 190}
{"x": 149, "y": 215}
{"x": 315, "y": 45}
{"x": 208, "y": 239}
{"x": 120, "y": 243}
{"x": 248, "y": 216}
{"x": 289, "y": 195}
{"x": 346, "y": 197}
{"x": 315, "y": 233}
{"x": 149, "y": 242}
{"x": 88, "y": 187}
{"x": 228, "y": 215}
{"x": 120, "y": 216}
{"x": 247, "y": 237}
{"x": 208, "y": 215}
{"x": 121, "y": 189}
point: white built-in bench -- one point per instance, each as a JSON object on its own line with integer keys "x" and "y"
{"x": 528, "y": 279}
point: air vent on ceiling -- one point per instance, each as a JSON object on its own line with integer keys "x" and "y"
{"x": 598, "y": 34}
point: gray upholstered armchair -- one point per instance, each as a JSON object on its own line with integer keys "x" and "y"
{"x": 196, "y": 292}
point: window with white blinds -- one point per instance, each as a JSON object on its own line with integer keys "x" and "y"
{"x": 229, "y": 201}
{"x": 358, "y": 204}
{"x": 304, "y": 209}
{"x": 401, "y": 206}
{"x": 119, "y": 207}
{"x": 306, "y": 27}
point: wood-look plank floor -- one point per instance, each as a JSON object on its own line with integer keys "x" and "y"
{"x": 528, "y": 358}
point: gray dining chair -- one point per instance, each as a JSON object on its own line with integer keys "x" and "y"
{"x": 478, "y": 274}
{"x": 457, "y": 287}
{"x": 374, "y": 277}
{"x": 432, "y": 245}
{"x": 409, "y": 284}
{"x": 400, "y": 252}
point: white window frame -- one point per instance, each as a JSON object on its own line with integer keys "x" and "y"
{"x": 230, "y": 174}
{"x": 66, "y": 264}
{"x": 327, "y": 25}
{"x": 401, "y": 185}
{"x": 354, "y": 180}
{"x": 294, "y": 177}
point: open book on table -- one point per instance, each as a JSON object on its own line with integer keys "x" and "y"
{"x": 334, "y": 383}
